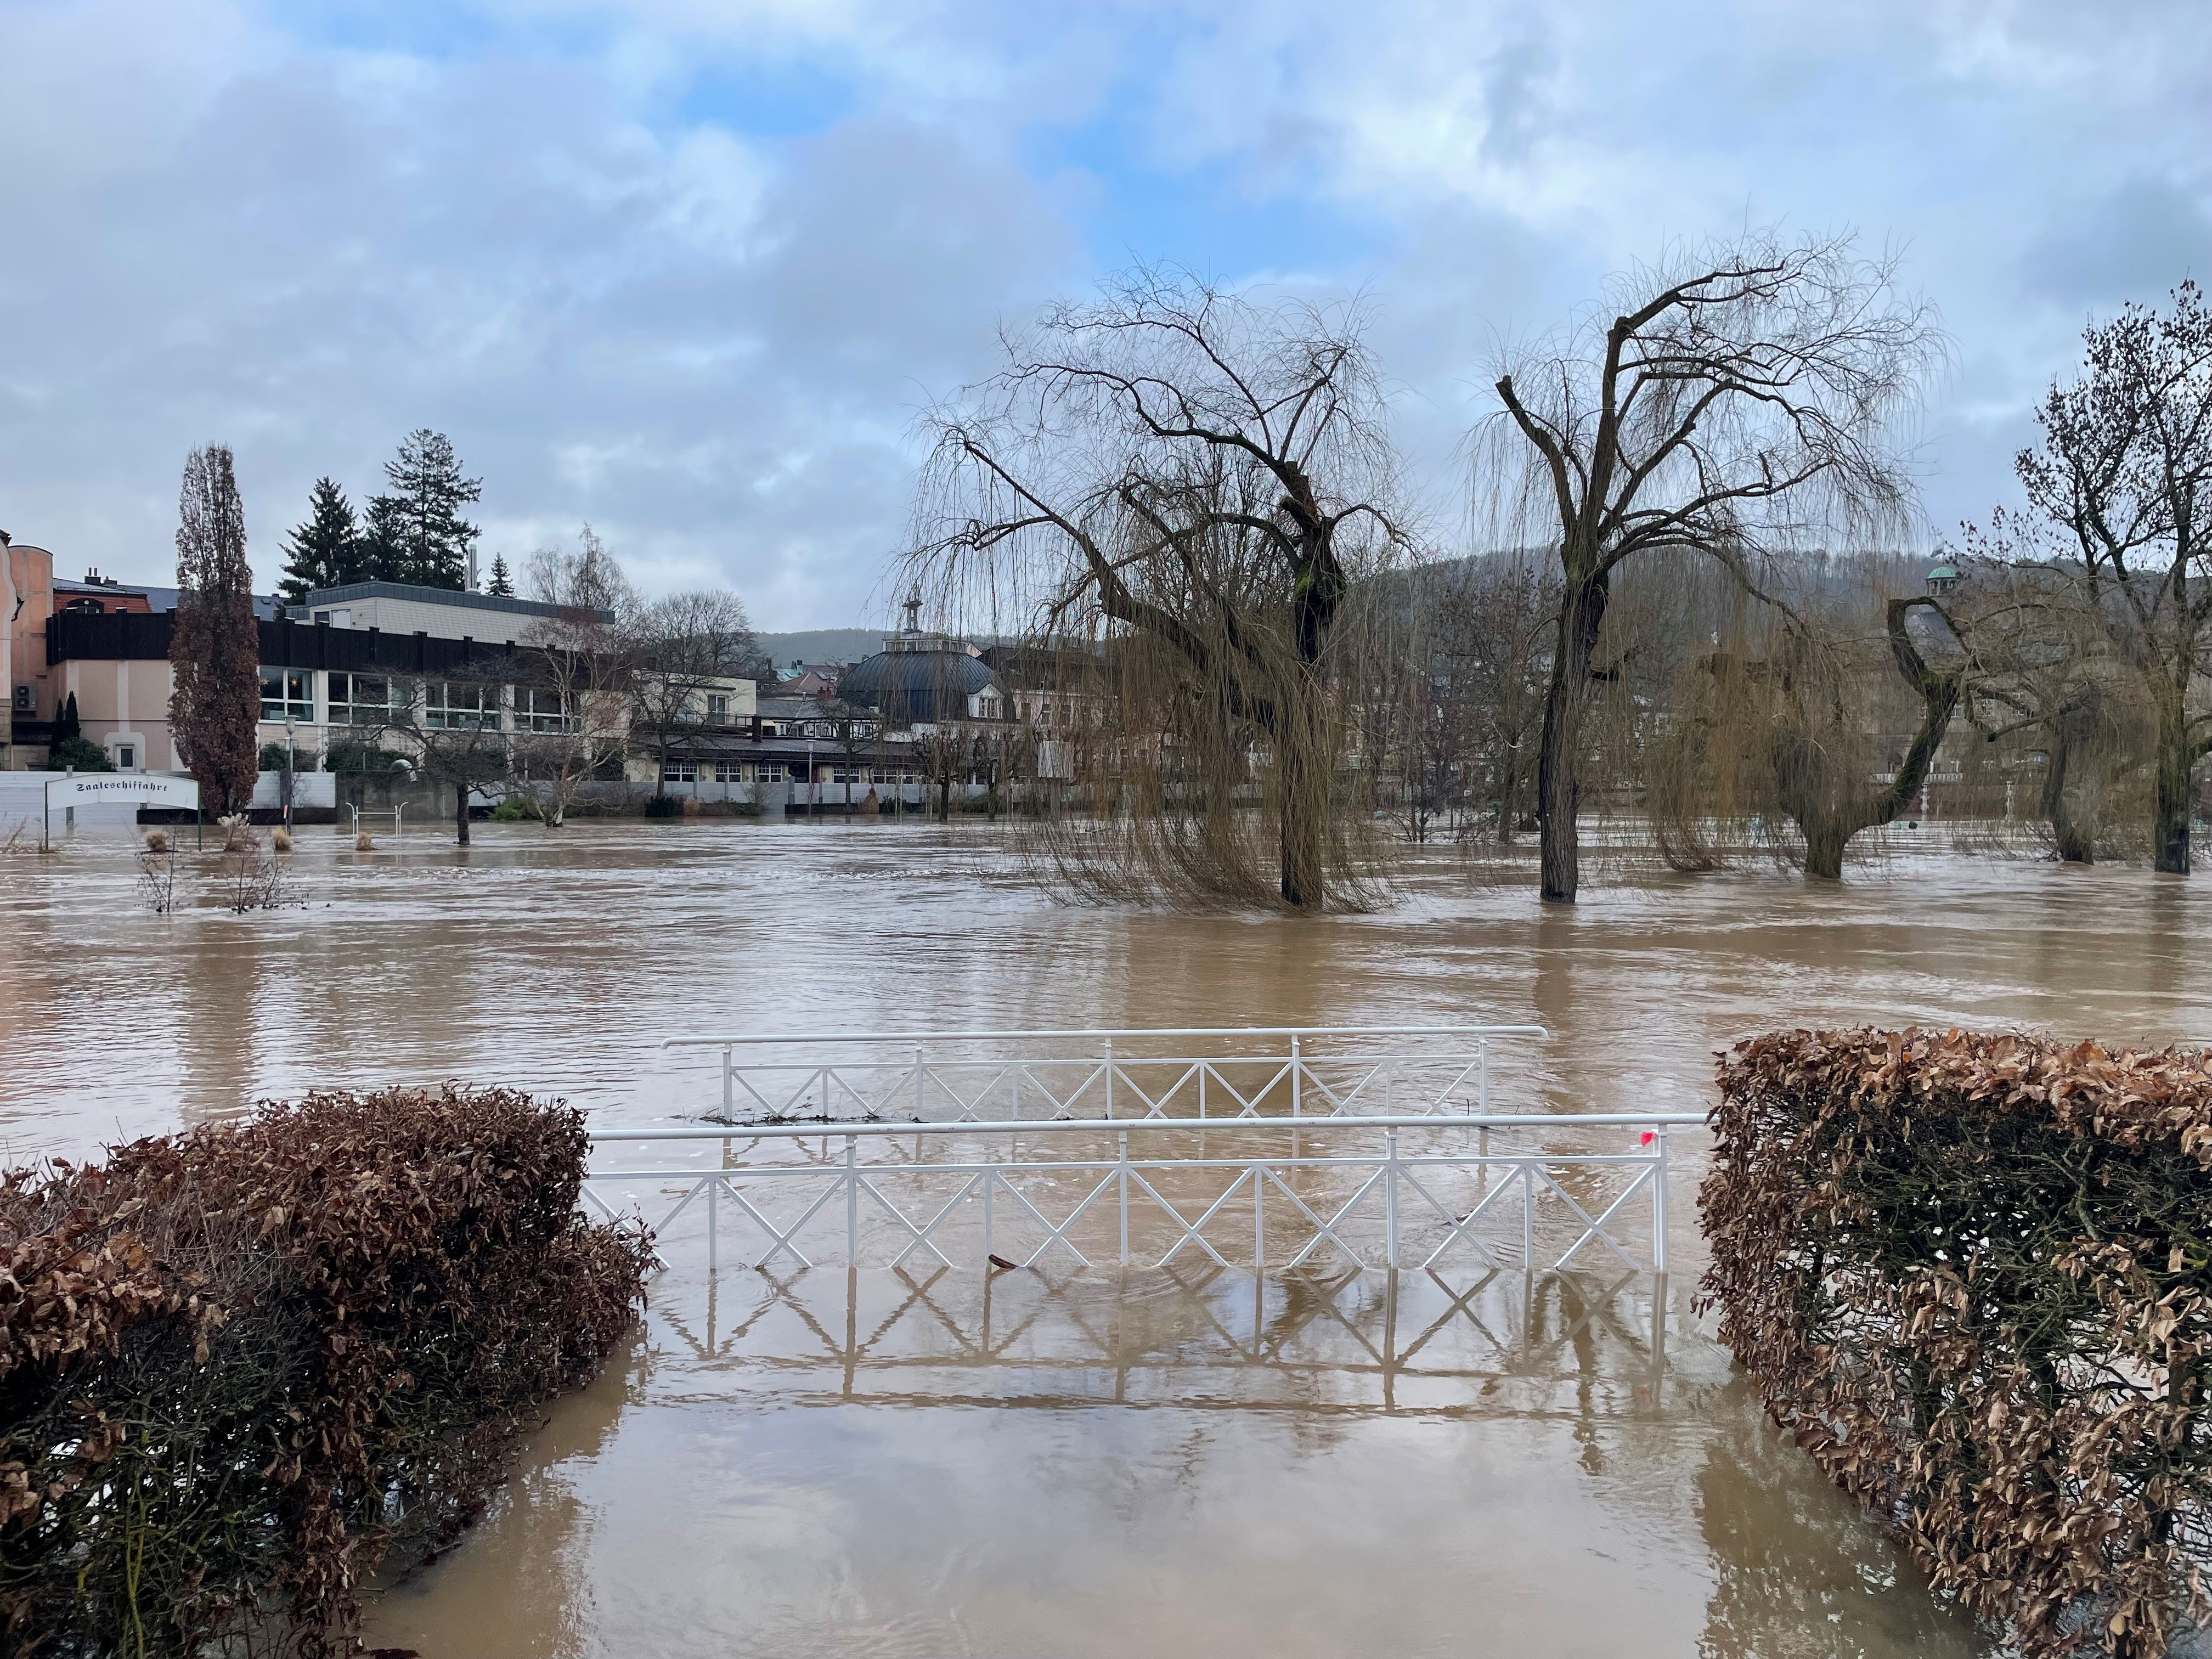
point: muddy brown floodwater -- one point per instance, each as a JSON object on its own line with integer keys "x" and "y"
{"x": 1068, "y": 1460}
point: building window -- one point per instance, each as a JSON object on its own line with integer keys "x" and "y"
{"x": 718, "y": 711}
{"x": 765, "y": 772}
{"x": 543, "y": 708}
{"x": 679, "y": 771}
{"x": 287, "y": 693}
{"x": 848, "y": 774}
{"x": 461, "y": 706}
{"x": 361, "y": 700}
{"x": 126, "y": 757}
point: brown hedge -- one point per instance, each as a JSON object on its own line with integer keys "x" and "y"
{"x": 241, "y": 1366}
{"x": 1973, "y": 1277}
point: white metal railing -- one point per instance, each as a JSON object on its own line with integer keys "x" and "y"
{"x": 963, "y": 1077}
{"x": 980, "y": 1193}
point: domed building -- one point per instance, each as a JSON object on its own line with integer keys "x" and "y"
{"x": 922, "y": 679}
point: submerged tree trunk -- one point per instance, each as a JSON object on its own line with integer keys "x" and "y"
{"x": 1558, "y": 782}
{"x": 1302, "y": 805}
{"x": 2076, "y": 842}
{"x": 1828, "y": 809}
{"x": 2176, "y": 758}
{"x": 461, "y": 813}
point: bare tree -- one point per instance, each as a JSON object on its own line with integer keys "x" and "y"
{"x": 1192, "y": 470}
{"x": 572, "y": 703}
{"x": 1740, "y": 400}
{"x": 456, "y": 729}
{"x": 586, "y": 579}
{"x": 215, "y": 655}
{"x": 681, "y": 648}
{"x": 2123, "y": 488}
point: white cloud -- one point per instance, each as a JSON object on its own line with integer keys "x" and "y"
{"x": 685, "y": 269}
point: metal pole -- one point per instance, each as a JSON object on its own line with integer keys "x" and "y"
{"x": 1659, "y": 1203}
{"x": 917, "y": 1083}
{"x": 1296, "y": 1077}
{"x": 1122, "y": 1174}
{"x": 1259, "y": 1220}
{"x": 729, "y": 1095}
{"x": 1529, "y": 1220}
{"x": 1482, "y": 1078}
{"x": 1390, "y": 1198}
{"x": 852, "y": 1203}
{"x": 714, "y": 1187}
{"x": 1109, "y": 1078}
{"x": 990, "y": 1180}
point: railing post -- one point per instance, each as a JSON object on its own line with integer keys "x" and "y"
{"x": 990, "y": 1180}
{"x": 852, "y": 1202}
{"x": 1482, "y": 1076}
{"x": 1259, "y": 1221}
{"x": 1529, "y": 1220}
{"x": 917, "y": 1082}
{"x": 1122, "y": 1174}
{"x": 714, "y": 1188}
{"x": 1659, "y": 1201}
{"x": 1297, "y": 1075}
{"x": 1109, "y": 1077}
{"x": 729, "y": 1085}
{"x": 1390, "y": 1200}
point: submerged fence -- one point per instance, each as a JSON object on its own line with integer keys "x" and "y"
{"x": 1265, "y": 1147}
{"x": 1204, "y": 1072}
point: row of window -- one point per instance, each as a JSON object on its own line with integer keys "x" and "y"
{"x": 699, "y": 771}
{"x": 447, "y": 705}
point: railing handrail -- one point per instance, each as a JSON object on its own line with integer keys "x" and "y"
{"x": 808, "y": 1131}
{"x": 757, "y": 1039}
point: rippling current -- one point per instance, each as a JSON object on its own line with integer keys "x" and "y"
{"x": 1072, "y": 1461}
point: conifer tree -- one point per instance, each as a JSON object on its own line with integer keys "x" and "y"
{"x": 502, "y": 585}
{"x": 215, "y": 655}
{"x": 68, "y": 725}
{"x": 416, "y": 533}
{"x": 324, "y": 551}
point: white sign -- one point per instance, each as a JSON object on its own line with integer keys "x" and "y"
{"x": 132, "y": 788}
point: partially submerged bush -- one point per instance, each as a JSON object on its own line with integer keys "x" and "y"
{"x": 241, "y": 1365}
{"x": 1973, "y": 1277}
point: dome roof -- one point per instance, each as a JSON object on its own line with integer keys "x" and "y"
{"x": 907, "y": 685}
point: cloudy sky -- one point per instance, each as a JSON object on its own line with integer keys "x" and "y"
{"x": 688, "y": 268}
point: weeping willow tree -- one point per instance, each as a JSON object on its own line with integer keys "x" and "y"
{"x": 1812, "y": 722}
{"x": 1173, "y": 494}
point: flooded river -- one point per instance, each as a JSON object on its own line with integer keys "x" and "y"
{"x": 1072, "y": 1461}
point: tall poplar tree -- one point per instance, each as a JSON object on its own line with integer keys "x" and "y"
{"x": 415, "y": 532}
{"x": 324, "y": 551}
{"x": 215, "y": 655}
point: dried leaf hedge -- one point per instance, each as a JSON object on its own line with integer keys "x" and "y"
{"x": 241, "y": 1366}
{"x": 1973, "y": 1277}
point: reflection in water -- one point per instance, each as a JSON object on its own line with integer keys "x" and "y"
{"x": 1054, "y": 1463}
{"x": 1094, "y": 1462}
{"x": 1798, "y": 1573}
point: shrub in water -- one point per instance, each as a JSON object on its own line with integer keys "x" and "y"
{"x": 241, "y": 1364}
{"x": 1973, "y": 1277}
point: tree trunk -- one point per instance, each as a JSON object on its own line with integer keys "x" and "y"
{"x": 2075, "y": 845}
{"x": 1558, "y": 785}
{"x": 2171, "y": 826}
{"x": 1302, "y": 805}
{"x": 461, "y": 813}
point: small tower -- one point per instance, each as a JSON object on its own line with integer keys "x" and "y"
{"x": 1942, "y": 579}
{"x": 913, "y": 609}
